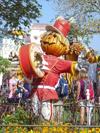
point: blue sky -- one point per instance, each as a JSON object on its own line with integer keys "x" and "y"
{"x": 49, "y": 14}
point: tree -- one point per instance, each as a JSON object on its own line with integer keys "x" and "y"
{"x": 86, "y": 13}
{"x": 4, "y": 64}
{"x": 18, "y": 13}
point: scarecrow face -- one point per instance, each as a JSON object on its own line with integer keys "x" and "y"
{"x": 55, "y": 44}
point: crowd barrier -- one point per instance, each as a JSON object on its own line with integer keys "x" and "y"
{"x": 71, "y": 113}
{"x": 67, "y": 120}
{"x": 68, "y": 113}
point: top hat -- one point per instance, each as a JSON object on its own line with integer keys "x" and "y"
{"x": 61, "y": 26}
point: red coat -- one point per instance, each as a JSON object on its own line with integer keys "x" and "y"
{"x": 53, "y": 67}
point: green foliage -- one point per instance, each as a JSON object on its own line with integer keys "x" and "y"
{"x": 85, "y": 12}
{"x": 76, "y": 32}
{"x": 18, "y": 13}
{"x": 20, "y": 116}
{"x": 4, "y": 64}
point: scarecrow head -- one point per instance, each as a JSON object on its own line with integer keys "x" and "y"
{"x": 54, "y": 41}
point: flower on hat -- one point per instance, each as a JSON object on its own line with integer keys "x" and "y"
{"x": 59, "y": 17}
{"x": 72, "y": 20}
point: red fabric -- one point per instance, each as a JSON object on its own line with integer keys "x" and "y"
{"x": 63, "y": 26}
{"x": 91, "y": 91}
{"x": 98, "y": 69}
{"x": 51, "y": 78}
{"x": 24, "y": 60}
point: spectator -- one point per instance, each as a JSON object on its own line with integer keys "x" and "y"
{"x": 23, "y": 89}
{"x": 85, "y": 95}
{"x": 27, "y": 87}
{"x": 92, "y": 76}
{"x": 12, "y": 87}
{"x": 20, "y": 89}
{"x": 98, "y": 84}
{"x": 1, "y": 76}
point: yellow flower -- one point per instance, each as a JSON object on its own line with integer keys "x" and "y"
{"x": 93, "y": 129}
{"x": 97, "y": 130}
{"x": 31, "y": 131}
{"x": 45, "y": 130}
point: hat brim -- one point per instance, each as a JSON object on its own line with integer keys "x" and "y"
{"x": 52, "y": 28}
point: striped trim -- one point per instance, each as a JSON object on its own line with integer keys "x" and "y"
{"x": 44, "y": 87}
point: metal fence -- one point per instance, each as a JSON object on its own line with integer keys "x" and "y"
{"x": 67, "y": 120}
{"x": 71, "y": 113}
{"x": 68, "y": 113}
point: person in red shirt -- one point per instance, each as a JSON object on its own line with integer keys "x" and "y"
{"x": 85, "y": 95}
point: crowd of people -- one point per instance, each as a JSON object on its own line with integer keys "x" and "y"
{"x": 87, "y": 85}
{"x": 15, "y": 89}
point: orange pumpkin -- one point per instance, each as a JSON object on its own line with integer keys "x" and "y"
{"x": 55, "y": 44}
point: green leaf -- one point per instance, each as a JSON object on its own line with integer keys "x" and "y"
{"x": 12, "y": 13}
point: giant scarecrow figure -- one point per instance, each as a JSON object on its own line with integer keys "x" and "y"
{"x": 43, "y": 66}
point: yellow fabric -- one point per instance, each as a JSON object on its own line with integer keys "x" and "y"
{"x": 92, "y": 58}
{"x": 74, "y": 72}
{"x": 72, "y": 75}
{"x": 70, "y": 79}
{"x": 97, "y": 58}
{"x": 19, "y": 73}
